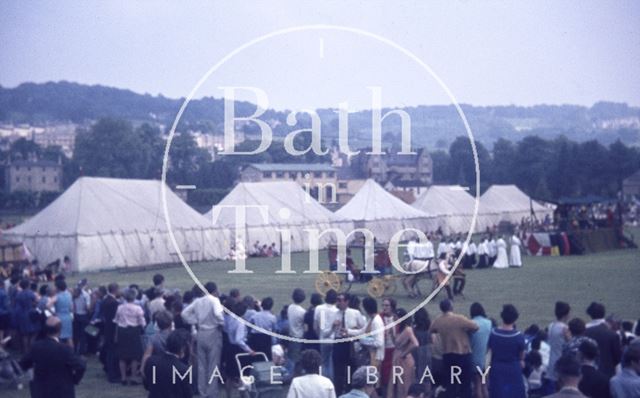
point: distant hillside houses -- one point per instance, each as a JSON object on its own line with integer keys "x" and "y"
{"x": 54, "y": 134}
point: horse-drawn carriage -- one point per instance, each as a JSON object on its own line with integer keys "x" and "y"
{"x": 378, "y": 285}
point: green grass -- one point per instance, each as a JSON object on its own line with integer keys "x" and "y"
{"x": 610, "y": 277}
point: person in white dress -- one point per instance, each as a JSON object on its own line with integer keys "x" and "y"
{"x": 515, "y": 255}
{"x": 492, "y": 250}
{"x": 502, "y": 259}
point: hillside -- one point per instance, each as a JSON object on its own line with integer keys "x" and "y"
{"x": 434, "y": 126}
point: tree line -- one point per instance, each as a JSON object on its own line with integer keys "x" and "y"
{"x": 545, "y": 169}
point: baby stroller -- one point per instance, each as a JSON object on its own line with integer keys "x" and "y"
{"x": 11, "y": 375}
{"x": 256, "y": 377}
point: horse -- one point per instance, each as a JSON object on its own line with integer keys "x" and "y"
{"x": 417, "y": 269}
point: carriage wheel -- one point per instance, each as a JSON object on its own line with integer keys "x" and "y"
{"x": 327, "y": 281}
{"x": 376, "y": 288}
{"x": 389, "y": 285}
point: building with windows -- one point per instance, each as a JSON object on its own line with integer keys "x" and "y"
{"x": 318, "y": 179}
{"x": 396, "y": 168}
{"x": 348, "y": 184}
{"x": 33, "y": 176}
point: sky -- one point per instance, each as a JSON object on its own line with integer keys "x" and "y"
{"x": 485, "y": 52}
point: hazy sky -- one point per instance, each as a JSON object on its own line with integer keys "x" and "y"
{"x": 487, "y": 52}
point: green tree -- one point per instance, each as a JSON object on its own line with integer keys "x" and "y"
{"x": 591, "y": 163}
{"x": 504, "y": 156}
{"x": 218, "y": 175}
{"x": 112, "y": 148}
{"x": 186, "y": 160}
{"x": 622, "y": 162}
{"x": 440, "y": 161}
{"x": 462, "y": 164}
{"x": 531, "y": 163}
{"x": 562, "y": 171}
{"x": 23, "y": 148}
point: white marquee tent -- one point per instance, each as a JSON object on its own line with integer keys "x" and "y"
{"x": 452, "y": 206}
{"x": 105, "y": 223}
{"x": 377, "y": 210}
{"x": 508, "y": 203}
{"x": 282, "y": 205}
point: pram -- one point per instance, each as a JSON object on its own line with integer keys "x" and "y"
{"x": 256, "y": 377}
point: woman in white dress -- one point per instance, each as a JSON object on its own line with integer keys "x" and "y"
{"x": 515, "y": 256}
{"x": 502, "y": 260}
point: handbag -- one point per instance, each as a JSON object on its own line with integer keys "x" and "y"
{"x": 92, "y": 330}
{"x": 362, "y": 353}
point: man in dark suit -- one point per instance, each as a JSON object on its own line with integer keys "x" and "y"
{"x": 56, "y": 369}
{"x": 165, "y": 375}
{"x": 608, "y": 340}
{"x": 594, "y": 383}
{"x": 108, "y": 352}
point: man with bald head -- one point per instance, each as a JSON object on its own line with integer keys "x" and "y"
{"x": 56, "y": 369}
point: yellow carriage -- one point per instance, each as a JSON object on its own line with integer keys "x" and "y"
{"x": 377, "y": 285}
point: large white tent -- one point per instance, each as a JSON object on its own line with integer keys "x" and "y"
{"x": 105, "y": 223}
{"x": 452, "y": 208}
{"x": 508, "y": 203}
{"x": 270, "y": 208}
{"x": 377, "y": 210}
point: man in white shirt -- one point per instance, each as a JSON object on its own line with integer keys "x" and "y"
{"x": 323, "y": 318}
{"x": 346, "y": 318}
{"x": 312, "y": 384}
{"x": 458, "y": 246}
{"x": 428, "y": 248}
{"x": 295, "y": 315}
{"x": 470, "y": 255}
{"x": 443, "y": 247}
{"x": 207, "y": 314}
{"x": 424, "y": 250}
{"x": 451, "y": 247}
{"x": 483, "y": 256}
{"x": 411, "y": 248}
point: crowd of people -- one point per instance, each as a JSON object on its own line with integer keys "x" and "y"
{"x": 337, "y": 345}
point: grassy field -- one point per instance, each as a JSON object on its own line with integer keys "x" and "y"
{"x": 610, "y": 277}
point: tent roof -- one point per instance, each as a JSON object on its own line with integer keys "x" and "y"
{"x": 509, "y": 198}
{"x": 292, "y": 166}
{"x": 439, "y": 200}
{"x": 372, "y": 202}
{"x": 276, "y": 195}
{"x": 94, "y": 205}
